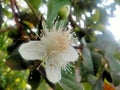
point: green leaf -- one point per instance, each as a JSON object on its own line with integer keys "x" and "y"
{"x": 7, "y": 13}
{"x": 58, "y": 87}
{"x": 114, "y": 64}
{"x": 53, "y": 8}
{"x": 117, "y": 54}
{"x": 68, "y": 82}
{"x": 44, "y": 86}
{"x": 92, "y": 79}
{"x": 35, "y": 3}
{"x": 99, "y": 27}
{"x": 97, "y": 61}
{"x": 87, "y": 59}
{"x": 96, "y": 16}
{"x": 13, "y": 33}
{"x": 1, "y": 15}
{"x": 34, "y": 78}
{"x": 15, "y": 61}
{"x": 109, "y": 46}
{"x": 87, "y": 86}
{"x": 103, "y": 16}
{"x": 97, "y": 84}
{"x": 104, "y": 40}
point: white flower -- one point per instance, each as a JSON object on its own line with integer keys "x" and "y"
{"x": 54, "y": 49}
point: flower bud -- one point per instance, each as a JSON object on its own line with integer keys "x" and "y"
{"x": 64, "y": 12}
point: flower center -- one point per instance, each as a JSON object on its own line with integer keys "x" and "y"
{"x": 57, "y": 41}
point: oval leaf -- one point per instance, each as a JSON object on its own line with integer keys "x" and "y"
{"x": 68, "y": 82}
{"x": 15, "y": 61}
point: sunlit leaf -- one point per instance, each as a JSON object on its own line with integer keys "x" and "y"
{"x": 35, "y": 3}
{"x": 87, "y": 86}
{"x": 6, "y": 12}
{"x": 96, "y": 16}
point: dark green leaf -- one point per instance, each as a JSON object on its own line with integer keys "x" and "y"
{"x": 92, "y": 79}
{"x": 13, "y": 33}
{"x": 34, "y": 79}
{"x": 58, "y": 87}
{"x": 97, "y": 61}
{"x": 87, "y": 59}
{"x": 68, "y": 82}
{"x": 97, "y": 84}
{"x": 107, "y": 76}
{"x": 114, "y": 64}
{"x": 16, "y": 62}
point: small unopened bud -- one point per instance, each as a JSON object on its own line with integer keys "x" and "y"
{"x": 64, "y": 12}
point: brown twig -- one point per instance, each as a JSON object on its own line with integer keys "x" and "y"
{"x": 73, "y": 23}
{"x": 17, "y": 7}
{"x": 12, "y": 4}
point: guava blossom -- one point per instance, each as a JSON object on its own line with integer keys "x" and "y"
{"x": 54, "y": 49}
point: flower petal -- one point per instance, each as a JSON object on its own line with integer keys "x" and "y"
{"x": 30, "y": 50}
{"x": 70, "y": 54}
{"x": 53, "y": 73}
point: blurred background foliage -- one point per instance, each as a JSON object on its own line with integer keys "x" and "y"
{"x": 98, "y": 67}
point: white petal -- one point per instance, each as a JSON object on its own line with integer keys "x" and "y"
{"x": 53, "y": 73}
{"x": 58, "y": 60}
{"x": 30, "y": 50}
{"x": 70, "y": 54}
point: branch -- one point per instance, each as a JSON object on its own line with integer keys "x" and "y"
{"x": 81, "y": 32}
{"x": 12, "y": 4}
{"x": 73, "y": 23}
